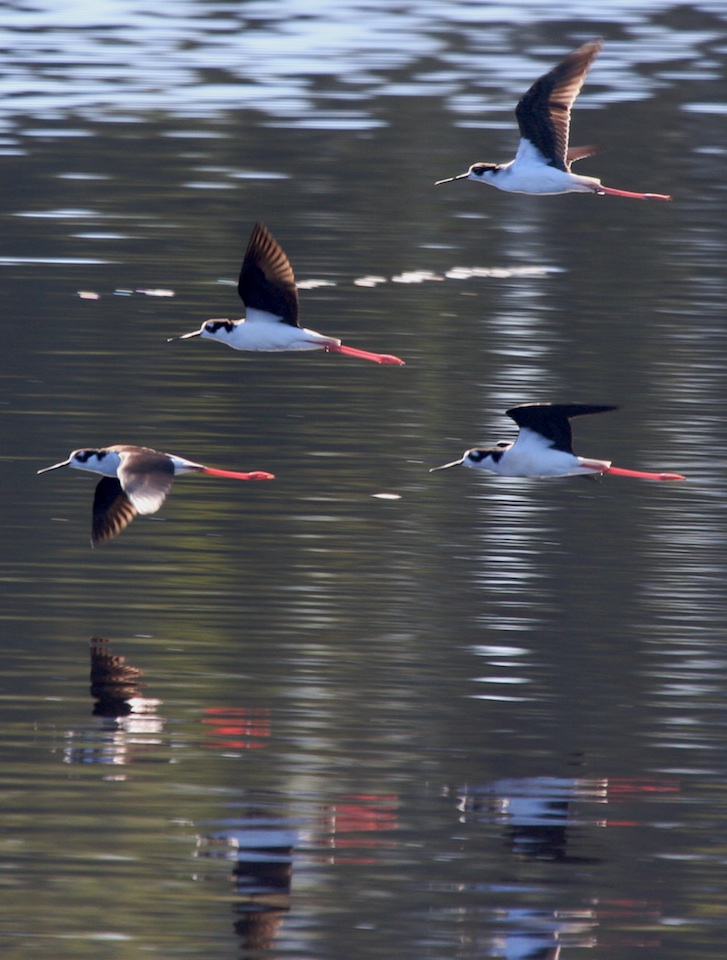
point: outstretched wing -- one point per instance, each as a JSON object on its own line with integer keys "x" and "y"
{"x": 112, "y": 511}
{"x": 551, "y": 420}
{"x": 543, "y": 114}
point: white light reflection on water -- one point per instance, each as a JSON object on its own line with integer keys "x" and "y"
{"x": 516, "y": 522}
{"x": 686, "y": 665}
{"x": 272, "y": 55}
{"x": 516, "y": 591}
{"x": 686, "y": 544}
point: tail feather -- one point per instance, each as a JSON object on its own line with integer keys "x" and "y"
{"x": 580, "y": 153}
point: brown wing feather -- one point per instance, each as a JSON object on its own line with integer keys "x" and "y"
{"x": 146, "y": 478}
{"x": 266, "y": 279}
{"x": 113, "y": 681}
{"x": 112, "y": 511}
{"x": 543, "y": 114}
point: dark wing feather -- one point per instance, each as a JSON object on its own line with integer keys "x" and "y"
{"x": 550, "y": 420}
{"x": 112, "y": 511}
{"x": 543, "y": 114}
{"x": 113, "y": 681}
{"x": 580, "y": 153}
{"x": 266, "y": 279}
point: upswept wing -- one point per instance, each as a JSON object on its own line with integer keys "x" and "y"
{"x": 543, "y": 114}
{"x": 267, "y": 282}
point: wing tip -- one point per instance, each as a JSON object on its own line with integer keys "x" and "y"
{"x": 579, "y": 407}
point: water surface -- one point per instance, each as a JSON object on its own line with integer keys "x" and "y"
{"x": 469, "y": 718}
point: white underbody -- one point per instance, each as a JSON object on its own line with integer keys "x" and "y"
{"x": 265, "y": 332}
{"x": 531, "y": 173}
{"x": 532, "y": 455}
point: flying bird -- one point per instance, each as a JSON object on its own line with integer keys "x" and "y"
{"x": 135, "y": 480}
{"x": 543, "y": 447}
{"x": 542, "y": 164}
{"x": 267, "y": 288}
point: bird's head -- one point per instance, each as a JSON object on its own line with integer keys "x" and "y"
{"x": 87, "y": 459}
{"x": 210, "y": 330}
{"x": 478, "y": 458}
{"x": 478, "y": 171}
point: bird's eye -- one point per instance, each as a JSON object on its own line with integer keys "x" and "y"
{"x": 476, "y": 455}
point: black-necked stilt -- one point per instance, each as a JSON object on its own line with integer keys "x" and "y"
{"x": 543, "y": 161}
{"x": 135, "y": 480}
{"x": 267, "y": 288}
{"x": 543, "y": 447}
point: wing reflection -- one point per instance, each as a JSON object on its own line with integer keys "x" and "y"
{"x": 537, "y": 812}
{"x": 261, "y": 848}
{"x": 130, "y": 724}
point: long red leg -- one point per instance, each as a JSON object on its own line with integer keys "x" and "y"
{"x": 363, "y": 354}
{"x": 613, "y": 192}
{"x": 253, "y": 475}
{"x": 642, "y": 475}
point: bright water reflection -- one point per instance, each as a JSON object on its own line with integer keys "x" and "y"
{"x": 467, "y": 718}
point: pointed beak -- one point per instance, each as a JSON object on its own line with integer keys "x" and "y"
{"x": 185, "y": 336}
{"x": 460, "y": 176}
{"x": 63, "y": 463}
{"x": 446, "y": 466}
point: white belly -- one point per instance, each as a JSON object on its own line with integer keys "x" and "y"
{"x": 530, "y": 172}
{"x": 272, "y": 337}
{"x": 543, "y": 180}
{"x": 516, "y": 463}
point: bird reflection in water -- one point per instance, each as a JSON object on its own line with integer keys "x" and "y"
{"x": 539, "y": 814}
{"x": 237, "y": 728}
{"x": 262, "y": 841}
{"x": 130, "y": 722}
{"x": 115, "y": 684}
{"x": 536, "y": 811}
{"x": 261, "y": 847}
